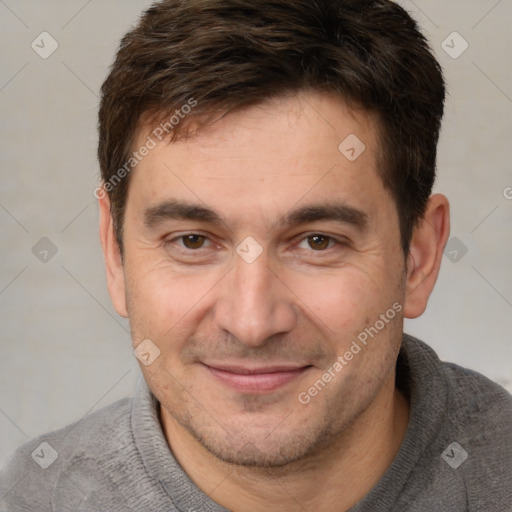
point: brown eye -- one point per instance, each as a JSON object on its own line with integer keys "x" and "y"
{"x": 193, "y": 241}
{"x": 318, "y": 242}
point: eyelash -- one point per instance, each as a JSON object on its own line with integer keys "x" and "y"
{"x": 333, "y": 242}
{"x": 181, "y": 237}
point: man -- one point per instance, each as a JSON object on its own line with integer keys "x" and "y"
{"x": 267, "y": 225}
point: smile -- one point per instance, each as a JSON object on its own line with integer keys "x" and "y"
{"x": 256, "y": 380}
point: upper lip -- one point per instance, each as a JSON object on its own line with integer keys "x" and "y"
{"x": 245, "y": 370}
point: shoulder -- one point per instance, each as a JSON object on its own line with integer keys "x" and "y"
{"x": 479, "y": 421}
{"x": 476, "y": 402}
{"x": 33, "y": 470}
{"x": 472, "y": 398}
{"x": 472, "y": 447}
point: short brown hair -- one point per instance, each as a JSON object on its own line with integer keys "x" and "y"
{"x": 231, "y": 54}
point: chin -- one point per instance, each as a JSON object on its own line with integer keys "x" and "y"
{"x": 263, "y": 447}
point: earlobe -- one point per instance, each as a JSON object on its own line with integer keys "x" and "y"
{"x": 113, "y": 261}
{"x": 425, "y": 255}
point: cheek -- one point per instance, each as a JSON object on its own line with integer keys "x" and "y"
{"x": 343, "y": 304}
{"x": 162, "y": 301}
{"x": 337, "y": 300}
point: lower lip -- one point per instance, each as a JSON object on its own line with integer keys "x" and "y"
{"x": 256, "y": 382}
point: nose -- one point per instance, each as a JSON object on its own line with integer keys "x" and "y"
{"x": 254, "y": 304}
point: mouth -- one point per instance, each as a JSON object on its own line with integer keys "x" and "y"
{"x": 264, "y": 379}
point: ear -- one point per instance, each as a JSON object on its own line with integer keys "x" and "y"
{"x": 426, "y": 252}
{"x": 112, "y": 255}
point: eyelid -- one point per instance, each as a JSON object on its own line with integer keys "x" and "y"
{"x": 338, "y": 240}
{"x": 331, "y": 243}
{"x": 177, "y": 238}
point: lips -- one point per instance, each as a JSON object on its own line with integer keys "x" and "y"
{"x": 256, "y": 380}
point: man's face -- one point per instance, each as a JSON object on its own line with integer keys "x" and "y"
{"x": 246, "y": 326}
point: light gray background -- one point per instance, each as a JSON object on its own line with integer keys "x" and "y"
{"x": 64, "y": 351}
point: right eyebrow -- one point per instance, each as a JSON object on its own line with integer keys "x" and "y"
{"x": 179, "y": 210}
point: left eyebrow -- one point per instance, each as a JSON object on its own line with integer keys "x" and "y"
{"x": 337, "y": 212}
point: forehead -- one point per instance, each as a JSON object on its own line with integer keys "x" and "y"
{"x": 269, "y": 157}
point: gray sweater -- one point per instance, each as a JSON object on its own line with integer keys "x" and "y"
{"x": 456, "y": 455}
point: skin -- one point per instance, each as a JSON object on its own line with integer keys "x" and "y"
{"x": 302, "y": 302}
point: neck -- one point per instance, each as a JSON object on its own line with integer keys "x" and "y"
{"x": 335, "y": 478}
